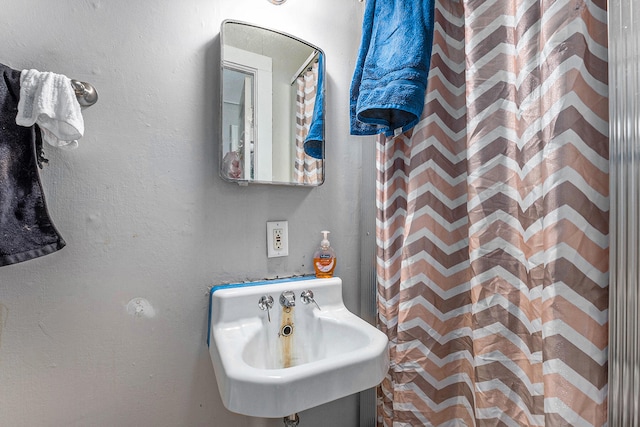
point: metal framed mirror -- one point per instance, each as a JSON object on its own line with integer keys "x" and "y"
{"x": 272, "y": 107}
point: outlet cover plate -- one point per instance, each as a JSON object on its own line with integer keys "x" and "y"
{"x": 277, "y": 239}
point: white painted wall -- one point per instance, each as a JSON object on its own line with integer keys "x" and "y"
{"x": 146, "y": 216}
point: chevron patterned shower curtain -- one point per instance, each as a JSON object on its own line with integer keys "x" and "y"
{"x": 493, "y": 223}
{"x": 308, "y": 170}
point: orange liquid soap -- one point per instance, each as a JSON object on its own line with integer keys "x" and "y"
{"x": 324, "y": 259}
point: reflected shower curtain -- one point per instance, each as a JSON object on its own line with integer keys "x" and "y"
{"x": 493, "y": 223}
{"x": 308, "y": 170}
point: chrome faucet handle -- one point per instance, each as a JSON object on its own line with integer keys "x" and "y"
{"x": 266, "y": 303}
{"x": 307, "y": 297}
{"x": 288, "y": 299}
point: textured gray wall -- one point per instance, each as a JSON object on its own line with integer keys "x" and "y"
{"x": 146, "y": 216}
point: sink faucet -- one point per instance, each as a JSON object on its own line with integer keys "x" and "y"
{"x": 288, "y": 299}
{"x": 307, "y": 298}
{"x": 266, "y": 303}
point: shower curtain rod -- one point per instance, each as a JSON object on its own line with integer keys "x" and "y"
{"x": 305, "y": 64}
{"x": 85, "y": 93}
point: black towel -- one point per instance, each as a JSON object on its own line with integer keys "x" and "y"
{"x": 26, "y": 230}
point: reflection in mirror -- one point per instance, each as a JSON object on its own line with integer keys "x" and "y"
{"x": 272, "y": 107}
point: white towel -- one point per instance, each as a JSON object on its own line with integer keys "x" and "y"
{"x": 48, "y": 100}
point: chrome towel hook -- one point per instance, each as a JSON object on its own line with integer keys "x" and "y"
{"x": 86, "y": 93}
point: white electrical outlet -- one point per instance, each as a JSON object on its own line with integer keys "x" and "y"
{"x": 277, "y": 239}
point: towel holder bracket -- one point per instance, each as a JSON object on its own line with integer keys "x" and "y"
{"x": 85, "y": 92}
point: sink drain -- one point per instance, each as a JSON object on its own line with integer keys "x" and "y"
{"x": 286, "y": 330}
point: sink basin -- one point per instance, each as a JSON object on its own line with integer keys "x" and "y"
{"x": 303, "y": 357}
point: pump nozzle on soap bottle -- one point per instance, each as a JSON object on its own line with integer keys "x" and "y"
{"x": 324, "y": 259}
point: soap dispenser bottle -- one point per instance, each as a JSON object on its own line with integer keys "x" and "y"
{"x": 324, "y": 259}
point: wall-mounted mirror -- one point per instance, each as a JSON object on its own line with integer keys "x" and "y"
{"x": 272, "y": 107}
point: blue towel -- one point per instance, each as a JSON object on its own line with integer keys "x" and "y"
{"x": 390, "y": 78}
{"x": 315, "y": 137}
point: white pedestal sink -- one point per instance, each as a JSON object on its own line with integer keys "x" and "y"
{"x": 304, "y": 357}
